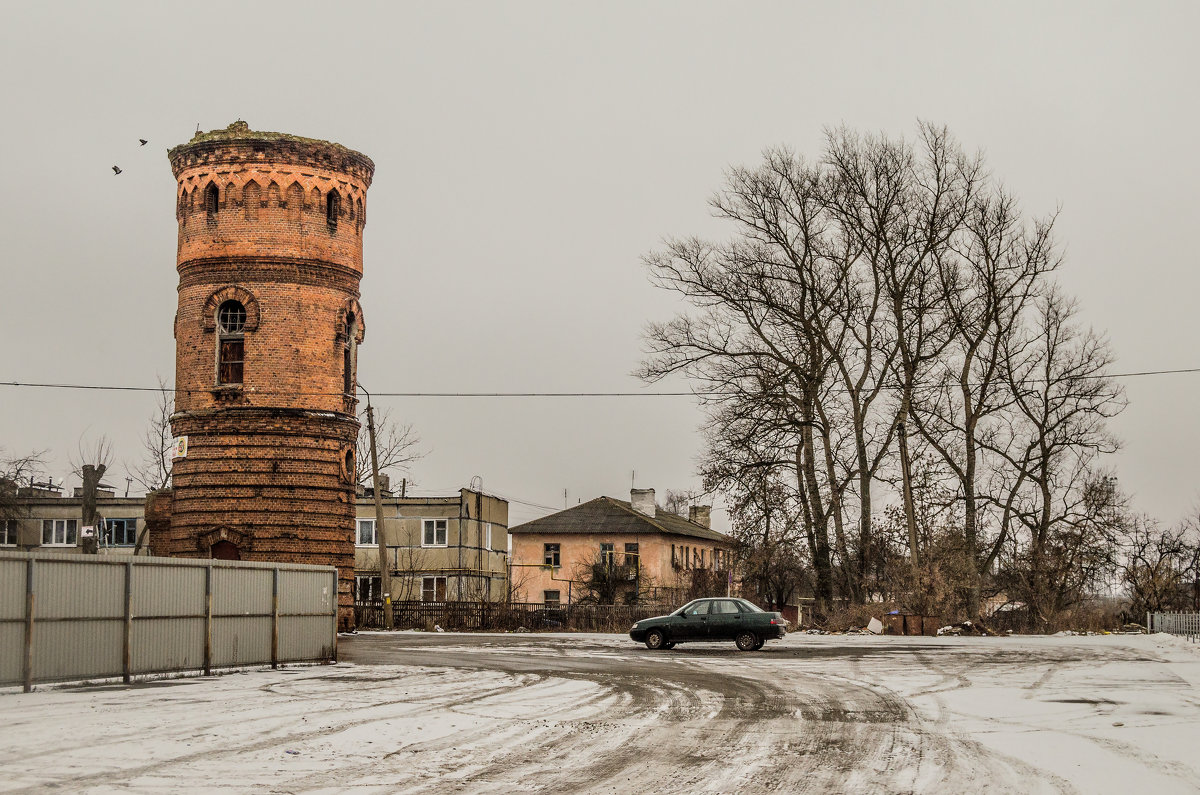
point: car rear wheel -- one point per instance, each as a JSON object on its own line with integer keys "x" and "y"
{"x": 759, "y": 644}
{"x": 655, "y": 639}
{"x": 746, "y": 641}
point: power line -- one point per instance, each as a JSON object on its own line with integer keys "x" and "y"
{"x": 120, "y": 388}
{"x": 117, "y": 388}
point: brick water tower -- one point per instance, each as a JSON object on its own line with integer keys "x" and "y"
{"x": 266, "y": 334}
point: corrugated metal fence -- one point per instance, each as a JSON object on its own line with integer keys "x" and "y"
{"x": 1186, "y": 624}
{"x": 65, "y": 616}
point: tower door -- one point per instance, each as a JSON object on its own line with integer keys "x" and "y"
{"x": 224, "y": 550}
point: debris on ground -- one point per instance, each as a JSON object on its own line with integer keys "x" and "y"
{"x": 875, "y": 626}
{"x": 437, "y": 628}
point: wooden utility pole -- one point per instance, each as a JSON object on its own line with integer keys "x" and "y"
{"x": 385, "y": 569}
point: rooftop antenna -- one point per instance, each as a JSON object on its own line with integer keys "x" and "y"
{"x": 633, "y": 479}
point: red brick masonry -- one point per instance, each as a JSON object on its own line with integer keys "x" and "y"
{"x": 270, "y": 462}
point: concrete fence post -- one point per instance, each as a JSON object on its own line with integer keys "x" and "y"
{"x": 274, "y": 618}
{"x": 127, "y": 634}
{"x": 28, "y": 665}
{"x": 208, "y": 618}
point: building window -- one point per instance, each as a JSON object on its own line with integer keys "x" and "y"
{"x": 487, "y": 536}
{"x": 551, "y": 552}
{"x": 552, "y": 598}
{"x": 702, "y": 558}
{"x": 211, "y": 200}
{"x": 120, "y": 532}
{"x": 366, "y": 533}
{"x": 631, "y": 555}
{"x": 8, "y": 533}
{"x": 59, "y": 532}
{"x": 231, "y": 342}
{"x": 368, "y": 588}
{"x": 606, "y": 554}
{"x": 434, "y": 534}
{"x": 433, "y": 589}
{"x": 333, "y": 205}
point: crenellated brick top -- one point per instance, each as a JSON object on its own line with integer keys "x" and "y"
{"x": 238, "y": 144}
{"x": 242, "y": 193}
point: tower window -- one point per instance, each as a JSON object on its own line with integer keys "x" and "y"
{"x": 231, "y": 342}
{"x": 333, "y": 206}
{"x": 348, "y": 355}
{"x": 211, "y": 197}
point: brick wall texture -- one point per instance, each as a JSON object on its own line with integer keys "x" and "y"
{"x": 274, "y": 222}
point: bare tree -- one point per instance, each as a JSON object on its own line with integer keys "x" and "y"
{"x": 153, "y": 472}
{"x": 397, "y": 446}
{"x": 16, "y": 470}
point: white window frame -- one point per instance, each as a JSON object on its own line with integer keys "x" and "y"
{"x": 358, "y": 533}
{"x": 487, "y": 536}
{"x": 69, "y": 528}
{"x": 432, "y": 524}
{"x": 10, "y": 529}
{"x": 434, "y": 579}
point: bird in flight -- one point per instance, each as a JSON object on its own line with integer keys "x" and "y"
{"x": 116, "y": 170}
{"x": 142, "y": 142}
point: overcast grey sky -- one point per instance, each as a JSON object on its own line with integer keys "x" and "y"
{"x": 528, "y": 154}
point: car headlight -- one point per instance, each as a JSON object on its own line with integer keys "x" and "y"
{"x": 631, "y": 629}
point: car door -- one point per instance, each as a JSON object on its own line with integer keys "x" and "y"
{"x": 724, "y": 620}
{"x": 693, "y": 623}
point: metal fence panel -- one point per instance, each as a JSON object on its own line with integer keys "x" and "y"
{"x": 1185, "y": 624}
{"x": 167, "y": 591}
{"x": 100, "y": 617}
{"x": 241, "y": 640}
{"x": 12, "y": 590}
{"x": 12, "y": 650}
{"x": 299, "y": 591}
{"x": 241, "y": 592}
{"x": 77, "y": 649}
{"x": 305, "y": 638}
{"x": 166, "y": 644}
{"x": 76, "y": 589}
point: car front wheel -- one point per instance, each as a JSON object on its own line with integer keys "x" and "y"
{"x": 746, "y": 641}
{"x": 655, "y": 639}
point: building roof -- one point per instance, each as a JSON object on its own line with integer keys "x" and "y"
{"x": 605, "y": 515}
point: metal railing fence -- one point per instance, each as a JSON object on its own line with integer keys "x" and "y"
{"x": 1185, "y": 624}
{"x": 508, "y": 616}
{"x": 69, "y": 617}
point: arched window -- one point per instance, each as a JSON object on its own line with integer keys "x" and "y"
{"x": 211, "y": 197}
{"x": 333, "y": 206}
{"x": 348, "y": 354}
{"x": 231, "y": 342}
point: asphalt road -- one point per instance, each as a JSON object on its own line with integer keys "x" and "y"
{"x": 795, "y": 717}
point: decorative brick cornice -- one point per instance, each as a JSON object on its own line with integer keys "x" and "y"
{"x": 285, "y": 270}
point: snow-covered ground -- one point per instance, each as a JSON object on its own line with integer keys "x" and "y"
{"x": 419, "y": 712}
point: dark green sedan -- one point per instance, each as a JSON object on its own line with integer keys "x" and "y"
{"x": 709, "y": 620}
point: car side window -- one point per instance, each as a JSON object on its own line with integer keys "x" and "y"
{"x": 725, "y": 607}
{"x": 700, "y": 609}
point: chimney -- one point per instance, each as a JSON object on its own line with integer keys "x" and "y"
{"x": 642, "y": 501}
{"x": 701, "y": 515}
